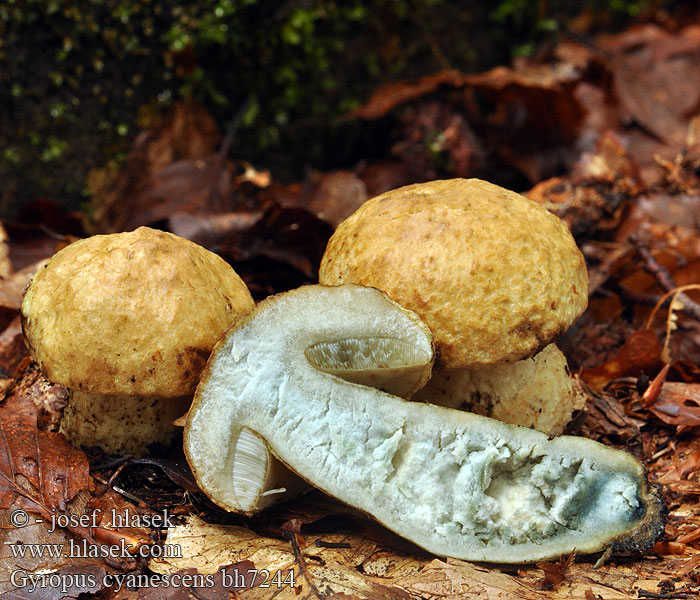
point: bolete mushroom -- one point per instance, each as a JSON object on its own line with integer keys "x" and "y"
{"x": 455, "y": 483}
{"x": 495, "y": 276}
{"x": 127, "y": 321}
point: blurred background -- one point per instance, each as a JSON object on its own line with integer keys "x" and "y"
{"x": 80, "y": 79}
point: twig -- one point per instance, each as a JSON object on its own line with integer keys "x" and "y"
{"x": 110, "y": 464}
{"x": 669, "y": 596}
{"x": 120, "y": 491}
{"x": 662, "y": 275}
{"x": 319, "y": 543}
{"x": 114, "y": 475}
{"x": 291, "y": 536}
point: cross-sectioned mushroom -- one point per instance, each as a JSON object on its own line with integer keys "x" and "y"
{"x": 127, "y": 321}
{"x": 455, "y": 483}
{"x": 495, "y": 276}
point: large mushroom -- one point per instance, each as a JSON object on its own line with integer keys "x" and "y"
{"x": 126, "y": 322}
{"x": 495, "y": 276}
{"x": 455, "y": 483}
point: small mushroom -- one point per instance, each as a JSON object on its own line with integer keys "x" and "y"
{"x": 127, "y": 321}
{"x": 455, "y": 483}
{"x": 495, "y": 276}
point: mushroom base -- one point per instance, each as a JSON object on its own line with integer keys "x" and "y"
{"x": 535, "y": 392}
{"x": 121, "y": 424}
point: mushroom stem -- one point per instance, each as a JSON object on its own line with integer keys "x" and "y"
{"x": 455, "y": 483}
{"x": 121, "y": 424}
{"x": 534, "y": 392}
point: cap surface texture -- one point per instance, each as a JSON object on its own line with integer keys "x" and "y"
{"x": 132, "y": 313}
{"x": 495, "y": 276}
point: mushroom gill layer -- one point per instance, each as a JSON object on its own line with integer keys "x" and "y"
{"x": 455, "y": 483}
{"x": 534, "y": 392}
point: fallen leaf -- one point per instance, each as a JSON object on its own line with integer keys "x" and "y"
{"x": 49, "y": 399}
{"x": 118, "y": 518}
{"x": 555, "y": 573}
{"x": 290, "y": 236}
{"x": 391, "y": 95}
{"x": 640, "y": 353}
{"x": 38, "y": 467}
{"x": 585, "y": 205}
{"x": 12, "y": 347}
{"x": 435, "y": 138}
{"x": 454, "y": 580}
{"x": 338, "y": 569}
{"x": 186, "y": 135}
{"x": 331, "y": 196}
{"x": 38, "y": 548}
{"x": 604, "y": 416}
{"x": 188, "y": 584}
{"x": 12, "y": 290}
{"x": 595, "y": 196}
{"x": 655, "y": 74}
{"x": 678, "y": 404}
{"x": 188, "y": 185}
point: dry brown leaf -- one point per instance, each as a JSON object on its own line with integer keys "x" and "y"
{"x": 49, "y": 398}
{"x": 38, "y": 467}
{"x": 290, "y": 236}
{"x": 503, "y": 106}
{"x": 655, "y": 75}
{"x": 392, "y": 95}
{"x": 17, "y": 544}
{"x": 678, "y": 404}
{"x": 555, "y": 573}
{"x": 540, "y": 88}
{"x": 118, "y": 519}
{"x": 331, "y": 196}
{"x": 595, "y": 196}
{"x": 189, "y": 186}
{"x": 12, "y": 347}
{"x": 65, "y": 583}
{"x": 434, "y": 137}
{"x": 227, "y": 582}
{"x": 455, "y": 580}
{"x": 11, "y": 291}
{"x": 188, "y": 134}
{"x": 605, "y": 417}
{"x": 640, "y": 353}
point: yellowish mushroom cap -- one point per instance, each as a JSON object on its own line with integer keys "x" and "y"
{"x": 131, "y": 313}
{"x": 495, "y": 276}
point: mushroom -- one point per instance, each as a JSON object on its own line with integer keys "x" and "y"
{"x": 534, "y": 392}
{"x": 127, "y": 321}
{"x": 455, "y": 483}
{"x": 495, "y": 276}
